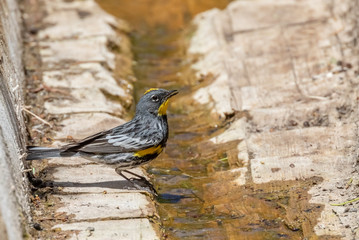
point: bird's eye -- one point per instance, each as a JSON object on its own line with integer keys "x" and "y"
{"x": 154, "y": 98}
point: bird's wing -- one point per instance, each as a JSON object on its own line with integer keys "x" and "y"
{"x": 130, "y": 137}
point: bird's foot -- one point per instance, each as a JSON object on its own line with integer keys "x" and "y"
{"x": 145, "y": 186}
{"x": 138, "y": 182}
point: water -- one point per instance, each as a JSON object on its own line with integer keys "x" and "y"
{"x": 198, "y": 199}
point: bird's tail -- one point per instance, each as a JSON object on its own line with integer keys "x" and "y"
{"x": 36, "y": 153}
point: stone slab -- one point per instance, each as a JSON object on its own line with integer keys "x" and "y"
{"x": 299, "y": 168}
{"x": 70, "y": 161}
{"x": 281, "y": 11}
{"x": 235, "y": 132}
{"x": 292, "y": 116}
{"x": 130, "y": 229}
{"x": 337, "y": 220}
{"x": 302, "y": 142}
{"x": 86, "y": 75}
{"x": 91, "y": 179}
{"x": 82, "y": 125}
{"x": 87, "y": 50}
{"x": 87, "y": 22}
{"x": 102, "y": 206}
{"x": 243, "y": 157}
{"x": 83, "y": 101}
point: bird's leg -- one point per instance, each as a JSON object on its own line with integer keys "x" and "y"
{"x": 144, "y": 180}
{"x": 139, "y": 178}
{"x": 136, "y": 175}
{"x": 119, "y": 172}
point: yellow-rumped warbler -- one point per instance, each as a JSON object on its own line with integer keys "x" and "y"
{"x": 126, "y": 146}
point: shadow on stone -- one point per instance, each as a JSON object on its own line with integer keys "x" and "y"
{"x": 120, "y": 185}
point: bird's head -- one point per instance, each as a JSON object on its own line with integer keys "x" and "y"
{"x": 155, "y": 101}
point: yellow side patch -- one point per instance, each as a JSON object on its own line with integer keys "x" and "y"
{"x": 149, "y": 90}
{"x": 163, "y": 108}
{"x": 149, "y": 151}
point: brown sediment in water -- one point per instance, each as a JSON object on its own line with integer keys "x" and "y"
{"x": 196, "y": 179}
{"x": 201, "y": 199}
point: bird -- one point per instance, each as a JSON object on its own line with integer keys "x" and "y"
{"x": 126, "y": 146}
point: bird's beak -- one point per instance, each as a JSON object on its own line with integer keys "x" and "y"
{"x": 171, "y": 93}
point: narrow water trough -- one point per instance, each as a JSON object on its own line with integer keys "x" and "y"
{"x": 257, "y": 119}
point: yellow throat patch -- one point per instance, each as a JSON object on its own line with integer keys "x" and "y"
{"x": 163, "y": 108}
{"x": 149, "y": 151}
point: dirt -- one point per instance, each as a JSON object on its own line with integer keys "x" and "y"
{"x": 38, "y": 133}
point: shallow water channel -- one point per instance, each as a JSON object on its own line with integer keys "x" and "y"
{"x": 198, "y": 199}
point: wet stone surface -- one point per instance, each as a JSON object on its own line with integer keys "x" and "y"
{"x": 110, "y": 229}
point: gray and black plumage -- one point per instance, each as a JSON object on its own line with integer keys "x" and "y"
{"x": 126, "y": 146}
